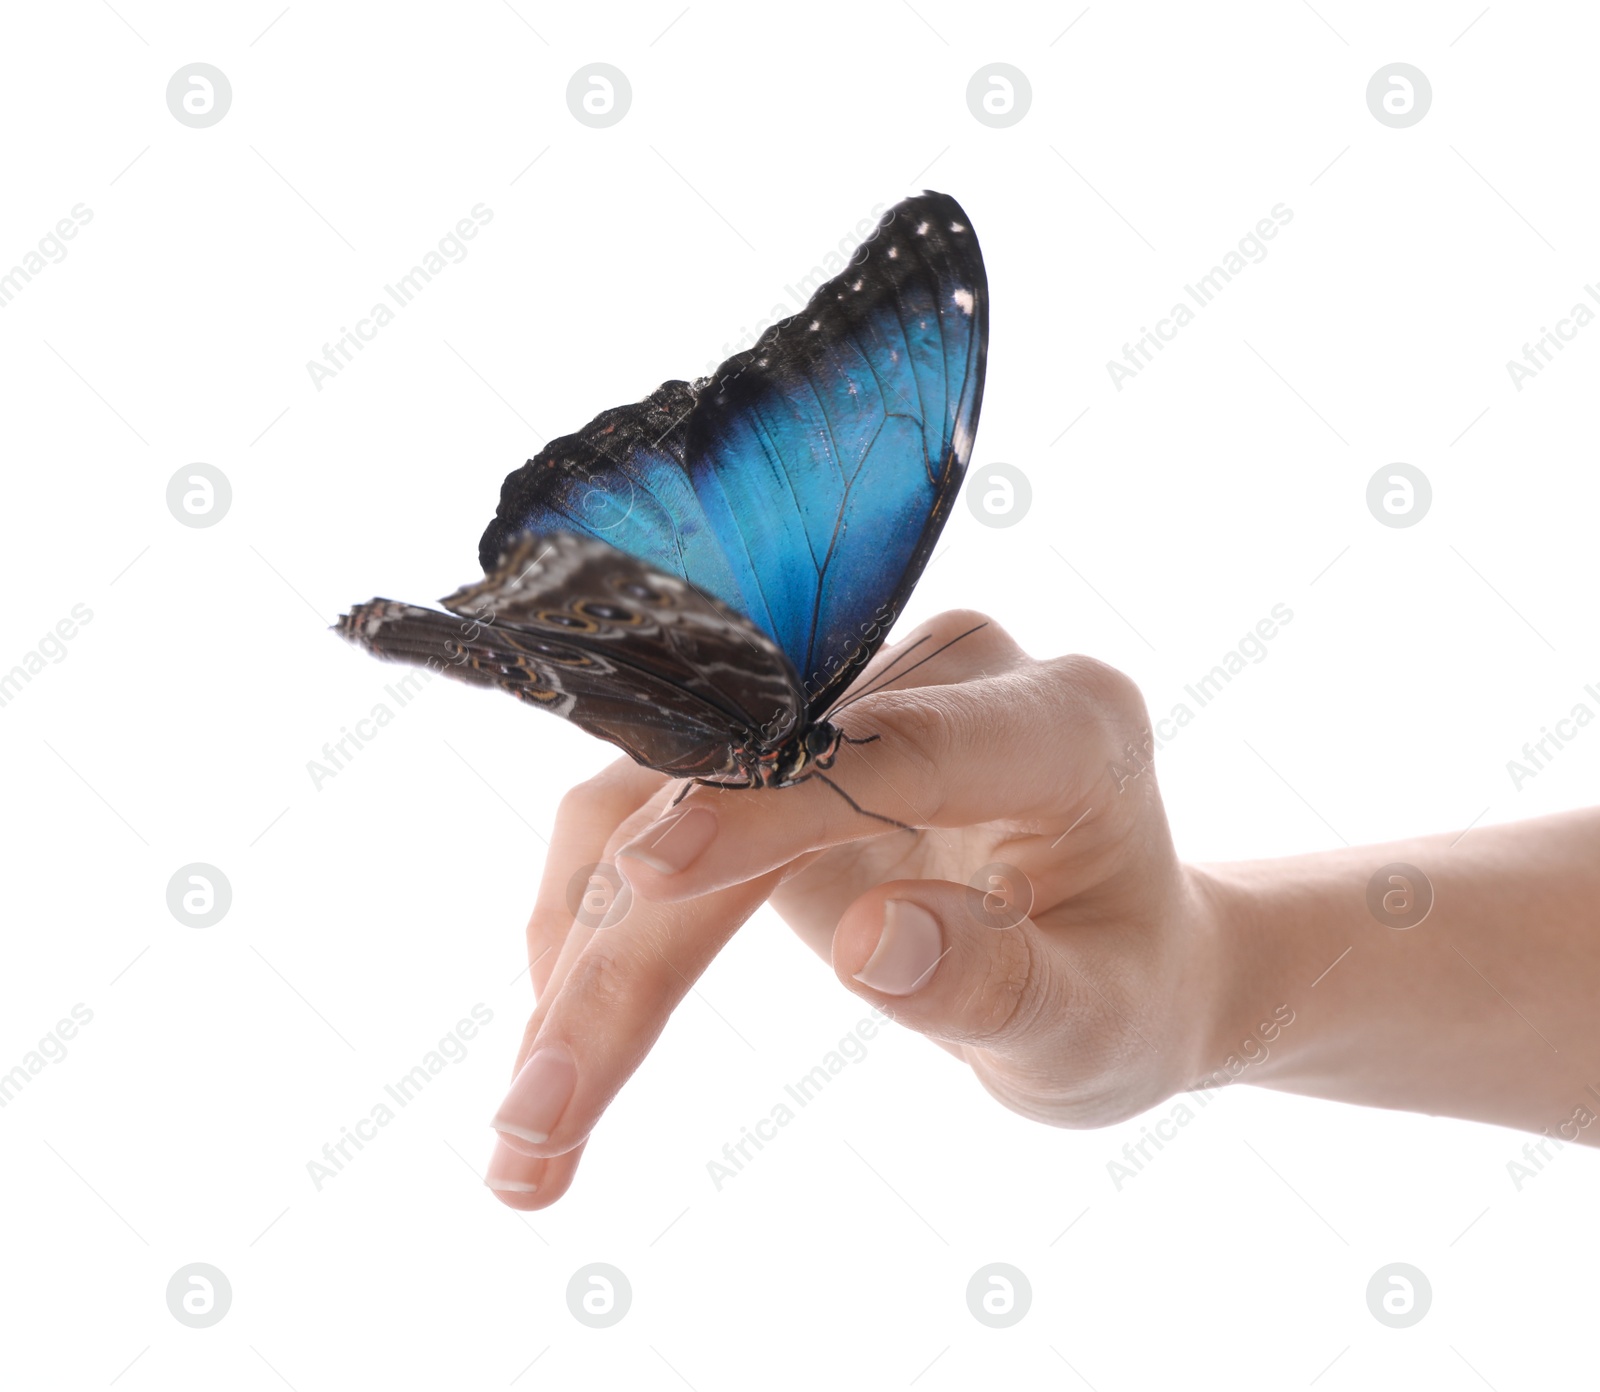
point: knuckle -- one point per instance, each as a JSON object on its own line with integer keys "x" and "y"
{"x": 986, "y": 640}
{"x": 592, "y": 797}
{"x": 545, "y": 952}
{"x": 1012, "y": 994}
{"x": 549, "y": 922}
{"x": 607, "y": 982}
{"x": 1088, "y": 686}
{"x": 1095, "y": 680}
{"x": 579, "y": 801}
{"x": 950, "y": 622}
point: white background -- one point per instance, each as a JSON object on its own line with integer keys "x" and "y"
{"x": 370, "y": 915}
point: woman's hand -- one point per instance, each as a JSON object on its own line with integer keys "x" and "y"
{"x": 1037, "y": 924}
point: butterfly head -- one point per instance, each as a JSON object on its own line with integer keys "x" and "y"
{"x": 822, "y": 744}
{"x": 799, "y": 756}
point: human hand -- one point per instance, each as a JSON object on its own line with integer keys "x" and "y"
{"x": 1087, "y": 1007}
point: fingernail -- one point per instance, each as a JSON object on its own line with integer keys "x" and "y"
{"x": 907, "y": 951}
{"x": 669, "y": 846}
{"x": 539, "y": 1094}
{"x": 507, "y": 1171}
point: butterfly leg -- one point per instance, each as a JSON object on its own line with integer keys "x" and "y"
{"x": 876, "y": 816}
{"x": 689, "y": 784}
{"x": 851, "y": 739}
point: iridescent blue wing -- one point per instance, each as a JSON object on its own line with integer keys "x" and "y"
{"x": 805, "y": 482}
{"x": 827, "y": 457}
{"x": 621, "y": 649}
{"x": 621, "y": 480}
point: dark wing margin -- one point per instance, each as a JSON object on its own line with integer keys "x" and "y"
{"x": 628, "y": 653}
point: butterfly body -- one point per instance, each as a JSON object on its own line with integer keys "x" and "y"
{"x": 800, "y": 756}
{"x": 698, "y": 577}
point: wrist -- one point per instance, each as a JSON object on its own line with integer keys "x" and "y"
{"x": 1248, "y": 1016}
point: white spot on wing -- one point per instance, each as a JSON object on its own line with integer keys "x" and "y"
{"x": 961, "y": 442}
{"x": 922, "y": 229}
{"x": 963, "y": 299}
{"x": 894, "y": 252}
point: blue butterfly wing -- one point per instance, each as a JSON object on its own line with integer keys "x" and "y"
{"x": 804, "y": 483}
{"x": 827, "y": 457}
{"x": 620, "y": 480}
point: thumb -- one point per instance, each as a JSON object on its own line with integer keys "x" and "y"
{"x": 942, "y": 959}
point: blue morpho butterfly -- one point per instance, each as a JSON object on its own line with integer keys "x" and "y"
{"x": 699, "y": 576}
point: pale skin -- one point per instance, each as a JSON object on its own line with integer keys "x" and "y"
{"x": 1133, "y": 977}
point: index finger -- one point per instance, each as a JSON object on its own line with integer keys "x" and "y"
{"x": 986, "y": 735}
{"x": 589, "y": 1035}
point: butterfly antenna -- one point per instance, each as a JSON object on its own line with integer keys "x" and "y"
{"x": 850, "y": 701}
{"x": 901, "y": 657}
{"x": 876, "y": 816}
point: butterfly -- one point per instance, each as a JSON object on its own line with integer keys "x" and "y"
{"x": 698, "y": 577}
